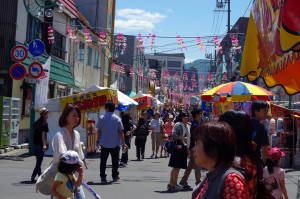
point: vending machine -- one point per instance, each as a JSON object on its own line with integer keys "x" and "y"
{"x": 5, "y": 122}
{"x": 9, "y": 117}
{"x": 14, "y": 121}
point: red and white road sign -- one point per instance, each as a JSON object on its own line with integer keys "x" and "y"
{"x": 19, "y": 53}
{"x": 35, "y": 70}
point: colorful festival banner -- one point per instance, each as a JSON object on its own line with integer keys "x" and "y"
{"x": 272, "y": 44}
{"x": 91, "y": 101}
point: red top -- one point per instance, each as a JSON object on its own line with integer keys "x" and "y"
{"x": 234, "y": 187}
{"x": 169, "y": 126}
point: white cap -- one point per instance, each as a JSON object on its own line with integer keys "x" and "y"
{"x": 70, "y": 157}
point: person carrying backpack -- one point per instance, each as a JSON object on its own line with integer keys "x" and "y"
{"x": 141, "y": 134}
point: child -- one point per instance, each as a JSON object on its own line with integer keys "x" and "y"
{"x": 65, "y": 180}
{"x": 274, "y": 176}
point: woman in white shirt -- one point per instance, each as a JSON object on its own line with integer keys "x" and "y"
{"x": 68, "y": 139}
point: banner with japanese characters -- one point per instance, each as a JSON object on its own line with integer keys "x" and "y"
{"x": 91, "y": 101}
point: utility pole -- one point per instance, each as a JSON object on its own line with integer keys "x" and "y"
{"x": 228, "y": 11}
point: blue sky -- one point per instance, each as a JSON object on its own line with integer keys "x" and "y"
{"x": 169, "y": 18}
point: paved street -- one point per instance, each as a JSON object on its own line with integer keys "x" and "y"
{"x": 141, "y": 179}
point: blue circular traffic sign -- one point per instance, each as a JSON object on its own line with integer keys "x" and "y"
{"x": 36, "y": 48}
{"x": 17, "y": 71}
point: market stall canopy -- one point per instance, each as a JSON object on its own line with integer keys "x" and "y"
{"x": 238, "y": 91}
{"x": 122, "y": 98}
{"x": 91, "y": 100}
{"x": 272, "y": 44}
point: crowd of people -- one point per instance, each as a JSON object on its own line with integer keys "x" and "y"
{"x": 234, "y": 150}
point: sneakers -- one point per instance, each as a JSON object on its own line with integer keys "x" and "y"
{"x": 103, "y": 180}
{"x": 33, "y": 180}
{"x": 184, "y": 183}
{"x": 116, "y": 179}
{"x": 175, "y": 187}
{"x": 122, "y": 164}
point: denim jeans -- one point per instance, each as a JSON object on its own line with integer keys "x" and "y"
{"x": 39, "y": 154}
{"x": 114, "y": 152}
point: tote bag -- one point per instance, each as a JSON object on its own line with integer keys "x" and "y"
{"x": 45, "y": 181}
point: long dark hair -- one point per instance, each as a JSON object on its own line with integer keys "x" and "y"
{"x": 242, "y": 125}
{"x": 271, "y": 164}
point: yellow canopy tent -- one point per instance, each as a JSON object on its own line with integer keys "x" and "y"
{"x": 272, "y": 44}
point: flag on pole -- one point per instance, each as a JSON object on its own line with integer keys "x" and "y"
{"x": 42, "y": 85}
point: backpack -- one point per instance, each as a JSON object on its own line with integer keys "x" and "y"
{"x": 142, "y": 132}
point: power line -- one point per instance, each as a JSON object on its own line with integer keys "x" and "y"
{"x": 247, "y": 7}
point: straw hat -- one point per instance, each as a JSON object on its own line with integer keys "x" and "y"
{"x": 43, "y": 111}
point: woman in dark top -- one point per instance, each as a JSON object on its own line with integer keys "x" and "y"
{"x": 40, "y": 130}
{"x": 128, "y": 129}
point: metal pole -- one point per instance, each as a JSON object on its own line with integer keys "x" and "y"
{"x": 32, "y": 119}
{"x": 228, "y": 22}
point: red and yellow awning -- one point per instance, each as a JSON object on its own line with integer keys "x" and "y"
{"x": 273, "y": 43}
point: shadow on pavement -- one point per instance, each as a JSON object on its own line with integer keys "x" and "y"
{"x": 93, "y": 155}
{"x": 174, "y": 191}
{"x": 15, "y": 157}
{"x": 100, "y": 183}
{"x": 24, "y": 183}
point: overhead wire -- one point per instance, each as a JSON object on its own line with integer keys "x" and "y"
{"x": 247, "y": 8}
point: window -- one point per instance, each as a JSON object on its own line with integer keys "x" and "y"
{"x": 58, "y": 49}
{"x": 174, "y": 64}
{"x": 34, "y": 29}
{"x": 90, "y": 52}
{"x": 96, "y": 59}
{"x": 81, "y": 52}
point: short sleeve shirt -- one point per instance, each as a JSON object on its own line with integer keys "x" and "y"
{"x": 68, "y": 184}
{"x": 37, "y": 138}
{"x": 168, "y": 127}
{"x": 110, "y": 125}
{"x": 156, "y": 124}
{"x": 259, "y": 135}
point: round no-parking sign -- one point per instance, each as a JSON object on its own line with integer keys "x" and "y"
{"x": 19, "y": 53}
{"x": 17, "y": 71}
{"x": 35, "y": 70}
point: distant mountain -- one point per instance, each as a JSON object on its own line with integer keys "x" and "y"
{"x": 201, "y": 65}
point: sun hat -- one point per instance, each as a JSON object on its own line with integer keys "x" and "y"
{"x": 70, "y": 157}
{"x": 275, "y": 153}
{"x": 43, "y": 111}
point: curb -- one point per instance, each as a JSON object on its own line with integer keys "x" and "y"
{"x": 8, "y": 149}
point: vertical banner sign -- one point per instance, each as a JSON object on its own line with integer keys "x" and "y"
{"x": 42, "y": 85}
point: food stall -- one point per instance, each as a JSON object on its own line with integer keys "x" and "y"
{"x": 283, "y": 127}
{"x": 91, "y": 105}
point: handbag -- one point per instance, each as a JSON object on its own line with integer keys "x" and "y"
{"x": 170, "y": 146}
{"x": 45, "y": 181}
